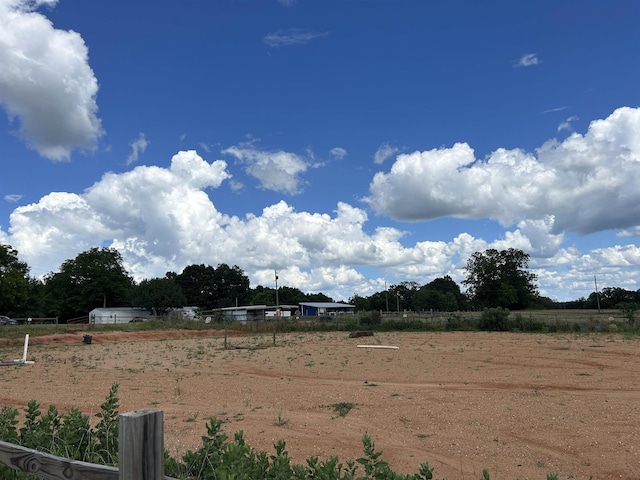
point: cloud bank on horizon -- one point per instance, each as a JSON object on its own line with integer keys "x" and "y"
{"x": 163, "y": 218}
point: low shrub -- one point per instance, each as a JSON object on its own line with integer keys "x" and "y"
{"x": 71, "y": 436}
{"x": 495, "y": 320}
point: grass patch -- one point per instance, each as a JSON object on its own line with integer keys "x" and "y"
{"x": 281, "y": 421}
{"x": 343, "y": 408}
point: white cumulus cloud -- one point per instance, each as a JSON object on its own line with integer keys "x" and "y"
{"x": 278, "y": 170}
{"x": 154, "y": 214}
{"x": 46, "y": 84}
{"x": 586, "y": 183}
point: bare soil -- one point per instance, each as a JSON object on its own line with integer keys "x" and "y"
{"x": 519, "y": 405}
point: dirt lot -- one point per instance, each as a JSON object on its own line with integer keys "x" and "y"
{"x": 519, "y": 405}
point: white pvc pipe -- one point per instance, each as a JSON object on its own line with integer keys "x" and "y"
{"x": 26, "y": 346}
{"x": 24, "y": 360}
{"x": 390, "y": 347}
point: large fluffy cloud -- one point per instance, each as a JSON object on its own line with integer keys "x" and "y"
{"x": 155, "y": 215}
{"x": 586, "y": 183}
{"x": 46, "y": 84}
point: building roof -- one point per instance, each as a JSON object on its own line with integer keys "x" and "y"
{"x": 118, "y": 309}
{"x": 257, "y": 307}
{"x": 327, "y": 305}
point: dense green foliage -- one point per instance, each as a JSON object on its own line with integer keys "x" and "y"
{"x": 93, "y": 279}
{"x": 441, "y": 295}
{"x": 67, "y": 435}
{"x": 495, "y": 319}
{"x": 71, "y": 436}
{"x": 158, "y": 295}
{"x": 14, "y": 282}
{"x": 207, "y": 287}
{"x": 500, "y": 279}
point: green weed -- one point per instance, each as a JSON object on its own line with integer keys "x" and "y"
{"x": 343, "y": 408}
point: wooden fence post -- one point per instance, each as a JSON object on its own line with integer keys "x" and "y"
{"x": 141, "y": 445}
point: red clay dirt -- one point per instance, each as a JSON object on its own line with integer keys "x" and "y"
{"x": 519, "y": 405}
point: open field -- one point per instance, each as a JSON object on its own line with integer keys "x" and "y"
{"x": 520, "y": 405}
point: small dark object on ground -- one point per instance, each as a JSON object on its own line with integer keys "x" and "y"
{"x": 361, "y": 334}
{"x": 87, "y": 339}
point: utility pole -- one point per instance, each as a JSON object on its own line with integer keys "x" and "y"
{"x": 277, "y": 309}
{"x": 597, "y": 293}
{"x": 386, "y": 296}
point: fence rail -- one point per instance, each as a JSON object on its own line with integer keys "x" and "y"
{"x": 140, "y": 454}
{"x": 36, "y": 320}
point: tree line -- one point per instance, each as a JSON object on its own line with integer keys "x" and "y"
{"x": 97, "y": 278}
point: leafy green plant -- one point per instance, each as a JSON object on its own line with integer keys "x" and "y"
{"x": 376, "y": 468}
{"x": 343, "y": 408}
{"x": 106, "y": 433}
{"x": 495, "y": 319}
{"x": 30, "y": 435}
{"x": 75, "y": 439}
{"x": 629, "y": 310}
{"x": 70, "y": 435}
{"x": 281, "y": 421}
{"x": 8, "y": 422}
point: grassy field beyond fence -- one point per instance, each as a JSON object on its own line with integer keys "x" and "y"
{"x": 538, "y": 320}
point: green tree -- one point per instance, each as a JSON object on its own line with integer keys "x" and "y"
{"x": 207, "y": 287}
{"x": 93, "y": 279}
{"x": 441, "y": 294}
{"x": 401, "y": 296}
{"x": 286, "y": 296}
{"x": 381, "y": 301}
{"x": 197, "y": 282}
{"x": 500, "y": 279}
{"x": 316, "y": 297}
{"x": 361, "y": 303}
{"x": 158, "y": 295}
{"x": 612, "y": 297}
{"x": 289, "y": 295}
{"x": 231, "y": 286}
{"x": 262, "y": 296}
{"x": 14, "y": 282}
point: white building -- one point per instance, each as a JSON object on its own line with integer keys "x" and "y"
{"x": 119, "y": 315}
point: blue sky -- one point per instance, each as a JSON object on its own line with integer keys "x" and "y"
{"x": 347, "y": 144}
